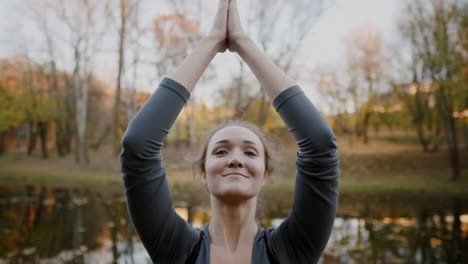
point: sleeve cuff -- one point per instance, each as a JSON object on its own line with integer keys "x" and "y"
{"x": 285, "y": 96}
{"x": 176, "y": 87}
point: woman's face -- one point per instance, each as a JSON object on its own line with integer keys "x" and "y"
{"x": 235, "y": 164}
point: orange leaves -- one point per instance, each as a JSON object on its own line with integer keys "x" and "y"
{"x": 171, "y": 29}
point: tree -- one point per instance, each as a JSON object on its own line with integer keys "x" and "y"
{"x": 11, "y": 115}
{"x": 418, "y": 99}
{"x": 461, "y": 59}
{"x": 37, "y": 105}
{"x": 336, "y": 97}
{"x": 39, "y": 13}
{"x": 126, "y": 22}
{"x": 25, "y": 93}
{"x": 435, "y": 41}
{"x": 365, "y": 69}
{"x": 282, "y": 44}
{"x": 176, "y": 34}
{"x": 418, "y": 96}
{"x": 86, "y": 34}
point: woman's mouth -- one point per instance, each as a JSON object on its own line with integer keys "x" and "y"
{"x": 235, "y": 174}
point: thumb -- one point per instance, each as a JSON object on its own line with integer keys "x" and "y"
{"x": 232, "y": 3}
{"x": 233, "y": 14}
{"x": 233, "y": 6}
{"x": 223, "y": 5}
{"x": 222, "y": 13}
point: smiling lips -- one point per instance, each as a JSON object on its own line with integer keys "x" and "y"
{"x": 235, "y": 174}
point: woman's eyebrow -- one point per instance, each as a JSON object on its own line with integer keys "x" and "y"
{"x": 225, "y": 141}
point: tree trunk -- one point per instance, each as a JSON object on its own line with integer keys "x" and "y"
{"x": 453, "y": 150}
{"x": 2, "y": 142}
{"x": 95, "y": 146}
{"x": 465, "y": 125}
{"x": 445, "y": 108}
{"x": 59, "y": 129}
{"x": 465, "y": 134}
{"x": 77, "y": 95}
{"x": 58, "y": 117}
{"x": 122, "y": 35}
{"x": 418, "y": 110}
{"x": 437, "y": 138}
{"x": 43, "y": 127}
{"x": 32, "y": 137}
{"x": 365, "y": 126}
{"x": 80, "y": 87}
{"x": 81, "y": 116}
{"x": 421, "y": 138}
{"x": 59, "y": 138}
{"x": 69, "y": 116}
{"x": 262, "y": 112}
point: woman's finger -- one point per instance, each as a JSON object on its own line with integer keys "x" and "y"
{"x": 234, "y": 12}
{"x": 223, "y": 5}
{"x": 233, "y": 3}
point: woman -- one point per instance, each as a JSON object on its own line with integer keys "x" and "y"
{"x": 234, "y": 167}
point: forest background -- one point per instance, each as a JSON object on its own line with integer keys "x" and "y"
{"x": 80, "y": 70}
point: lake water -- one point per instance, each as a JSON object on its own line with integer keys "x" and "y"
{"x": 41, "y": 224}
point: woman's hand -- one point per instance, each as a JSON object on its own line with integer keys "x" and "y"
{"x": 235, "y": 32}
{"x": 218, "y": 31}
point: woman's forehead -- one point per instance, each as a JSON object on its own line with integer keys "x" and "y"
{"x": 235, "y": 134}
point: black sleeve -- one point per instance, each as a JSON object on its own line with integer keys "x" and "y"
{"x": 303, "y": 235}
{"x": 167, "y": 237}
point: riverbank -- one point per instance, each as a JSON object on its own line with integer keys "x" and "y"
{"x": 380, "y": 168}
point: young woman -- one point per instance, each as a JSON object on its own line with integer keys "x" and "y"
{"x": 235, "y": 164}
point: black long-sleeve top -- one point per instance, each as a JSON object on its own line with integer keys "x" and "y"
{"x": 168, "y": 238}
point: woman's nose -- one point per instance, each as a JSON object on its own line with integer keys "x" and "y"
{"x": 235, "y": 161}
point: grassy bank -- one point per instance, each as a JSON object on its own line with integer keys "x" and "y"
{"x": 383, "y": 167}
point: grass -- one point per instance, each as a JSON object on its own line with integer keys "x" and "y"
{"x": 380, "y": 168}
{"x": 402, "y": 139}
{"x": 27, "y": 176}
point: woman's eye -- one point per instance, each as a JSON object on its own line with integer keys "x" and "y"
{"x": 220, "y": 152}
{"x": 250, "y": 153}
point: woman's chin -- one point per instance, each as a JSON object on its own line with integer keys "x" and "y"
{"x": 234, "y": 194}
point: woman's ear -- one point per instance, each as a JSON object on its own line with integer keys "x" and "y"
{"x": 204, "y": 177}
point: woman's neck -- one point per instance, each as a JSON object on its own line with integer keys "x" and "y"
{"x": 232, "y": 225}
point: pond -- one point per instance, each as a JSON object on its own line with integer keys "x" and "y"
{"x": 43, "y": 224}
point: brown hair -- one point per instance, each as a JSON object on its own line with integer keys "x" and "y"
{"x": 267, "y": 145}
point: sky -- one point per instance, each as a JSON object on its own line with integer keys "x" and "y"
{"x": 325, "y": 43}
{"x": 326, "y": 40}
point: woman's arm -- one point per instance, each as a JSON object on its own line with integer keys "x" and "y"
{"x": 302, "y": 237}
{"x": 190, "y": 71}
{"x": 272, "y": 79}
{"x": 165, "y": 235}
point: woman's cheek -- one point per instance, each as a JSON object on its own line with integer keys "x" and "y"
{"x": 214, "y": 164}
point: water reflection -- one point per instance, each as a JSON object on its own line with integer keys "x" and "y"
{"x": 56, "y": 225}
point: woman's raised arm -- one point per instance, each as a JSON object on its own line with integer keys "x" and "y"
{"x": 165, "y": 235}
{"x": 302, "y": 237}
{"x": 272, "y": 78}
{"x": 190, "y": 71}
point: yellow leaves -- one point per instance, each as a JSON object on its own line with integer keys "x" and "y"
{"x": 142, "y": 97}
{"x": 11, "y": 113}
{"x": 171, "y": 29}
{"x": 24, "y": 93}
